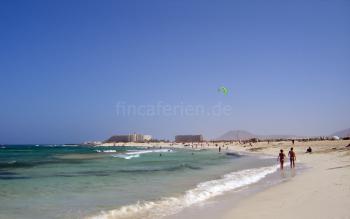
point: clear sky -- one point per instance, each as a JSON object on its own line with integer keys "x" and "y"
{"x": 66, "y": 64}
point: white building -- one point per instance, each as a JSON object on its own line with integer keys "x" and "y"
{"x": 147, "y": 137}
{"x": 130, "y": 138}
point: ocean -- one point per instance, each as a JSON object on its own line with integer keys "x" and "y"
{"x": 60, "y": 181}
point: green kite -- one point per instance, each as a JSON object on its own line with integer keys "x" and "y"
{"x": 223, "y": 90}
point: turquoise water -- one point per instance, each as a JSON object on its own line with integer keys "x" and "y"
{"x": 47, "y": 181}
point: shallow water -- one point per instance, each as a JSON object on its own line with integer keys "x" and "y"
{"x": 48, "y": 181}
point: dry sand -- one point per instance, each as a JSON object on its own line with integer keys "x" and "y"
{"x": 322, "y": 191}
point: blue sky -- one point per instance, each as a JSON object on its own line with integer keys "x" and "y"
{"x": 66, "y": 64}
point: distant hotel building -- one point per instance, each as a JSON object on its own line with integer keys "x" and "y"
{"x": 188, "y": 138}
{"x": 147, "y": 137}
{"x": 130, "y": 138}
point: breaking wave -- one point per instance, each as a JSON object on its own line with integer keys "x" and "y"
{"x": 136, "y": 153}
{"x": 202, "y": 192}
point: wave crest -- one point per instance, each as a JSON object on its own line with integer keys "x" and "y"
{"x": 203, "y": 191}
{"x": 136, "y": 153}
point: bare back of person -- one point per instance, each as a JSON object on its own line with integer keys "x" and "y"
{"x": 292, "y": 158}
{"x": 281, "y": 157}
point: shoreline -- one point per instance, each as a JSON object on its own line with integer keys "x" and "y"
{"x": 218, "y": 207}
{"x": 321, "y": 191}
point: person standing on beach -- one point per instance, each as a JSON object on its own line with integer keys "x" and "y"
{"x": 219, "y": 149}
{"x": 292, "y": 158}
{"x": 281, "y": 157}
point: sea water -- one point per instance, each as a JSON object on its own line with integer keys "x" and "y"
{"x": 57, "y": 181}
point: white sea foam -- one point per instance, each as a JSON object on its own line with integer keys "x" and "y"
{"x": 109, "y": 151}
{"x": 126, "y": 156}
{"x": 136, "y": 153}
{"x": 202, "y": 192}
{"x": 106, "y": 151}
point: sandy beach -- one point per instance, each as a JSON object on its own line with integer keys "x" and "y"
{"x": 322, "y": 191}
